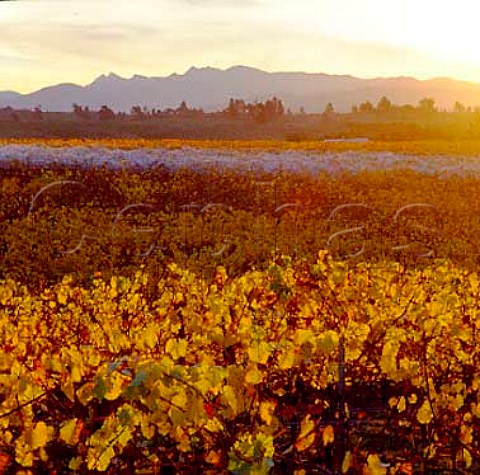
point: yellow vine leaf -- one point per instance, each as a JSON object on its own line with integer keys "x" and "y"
{"x": 177, "y": 348}
{"x": 347, "y": 461}
{"x": 253, "y": 375}
{"x": 466, "y": 434}
{"x": 424, "y": 414}
{"x": 105, "y": 459}
{"x": 23, "y": 453}
{"x": 412, "y": 399}
{"x": 85, "y": 393}
{"x": 327, "y": 342}
{"x": 267, "y": 409}
{"x": 214, "y": 457}
{"x": 392, "y": 402}
{"x": 388, "y": 361}
{"x": 467, "y": 456}
{"x": 287, "y": 359}
{"x": 69, "y": 390}
{"x": 150, "y": 338}
{"x": 231, "y": 398}
{"x": 374, "y": 466}
{"x": 75, "y": 463}
{"x": 116, "y": 383}
{"x": 328, "y": 435}
{"x": 68, "y": 432}
{"x": 259, "y": 352}
{"x": 41, "y": 435}
{"x": 307, "y": 434}
{"x": 303, "y": 336}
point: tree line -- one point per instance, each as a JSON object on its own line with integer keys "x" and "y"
{"x": 258, "y": 111}
{"x": 426, "y": 105}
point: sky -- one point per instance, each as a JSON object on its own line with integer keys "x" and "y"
{"x": 45, "y": 42}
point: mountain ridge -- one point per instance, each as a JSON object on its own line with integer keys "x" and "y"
{"x": 211, "y": 88}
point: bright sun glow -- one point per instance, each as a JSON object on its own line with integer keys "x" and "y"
{"x": 439, "y": 30}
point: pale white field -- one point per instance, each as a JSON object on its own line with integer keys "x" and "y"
{"x": 292, "y": 161}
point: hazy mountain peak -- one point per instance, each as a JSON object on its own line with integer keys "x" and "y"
{"x": 109, "y": 77}
{"x": 205, "y": 70}
{"x": 244, "y": 69}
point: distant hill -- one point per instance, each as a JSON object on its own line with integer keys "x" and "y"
{"x": 211, "y": 88}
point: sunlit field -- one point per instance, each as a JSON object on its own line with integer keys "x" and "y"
{"x": 269, "y": 307}
{"x": 417, "y": 147}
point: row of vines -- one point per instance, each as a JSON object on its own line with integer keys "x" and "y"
{"x": 313, "y": 368}
{"x": 216, "y": 322}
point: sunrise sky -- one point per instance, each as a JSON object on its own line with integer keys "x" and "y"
{"x": 45, "y": 42}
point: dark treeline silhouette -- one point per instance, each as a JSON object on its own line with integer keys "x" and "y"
{"x": 426, "y": 105}
{"x": 259, "y": 111}
{"x": 237, "y": 109}
{"x": 8, "y": 114}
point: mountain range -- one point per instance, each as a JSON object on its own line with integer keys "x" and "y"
{"x": 210, "y": 89}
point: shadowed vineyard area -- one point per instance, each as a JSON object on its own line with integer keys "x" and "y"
{"x": 205, "y": 322}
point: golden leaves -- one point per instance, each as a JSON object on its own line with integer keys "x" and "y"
{"x": 177, "y": 348}
{"x": 374, "y": 466}
{"x": 425, "y": 414}
{"x": 388, "y": 362}
{"x": 259, "y": 352}
{"x": 347, "y": 462}
{"x": 328, "y": 435}
{"x": 70, "y": 431}
{"x": 306, "y": 438}
{"x": 288, "y": 357}
{"x": 41, "y": 434}
{"x": 267, "y": 409}
{"x": 231, "y": 398}
{"x": 31, "y": 440}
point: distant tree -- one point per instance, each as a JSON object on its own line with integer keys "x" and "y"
{"x": 354, "y": 109}
{"x": 259, "y": 111}
{"x": 236, "y": 108}
{"x": 37, "y": 113}
{"x": 329, "y": 109}
{"x": 232, "y": 109}
{"x": 427, "y": 105}
{"x": 105, "y": 113}
{"x": 273, "y": 108}
{"x": 407, "y": 108}
{"x": 459, "y": 107}
{"x": 280, "y": 107}
{"x": 366, "y": 107}
{"x": 182, "y": 108}
{"x": 384, "y": 105}
{"x": 78, "y": 111}
{"x": 137, "y": 113}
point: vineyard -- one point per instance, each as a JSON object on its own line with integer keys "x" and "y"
{"x": 164, "y": 321}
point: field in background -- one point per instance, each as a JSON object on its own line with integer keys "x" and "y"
{"x": 418, "y": 147}
{"x": 390, "y": 127}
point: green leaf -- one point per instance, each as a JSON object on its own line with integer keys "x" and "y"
{"x": 100, "y": 389}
